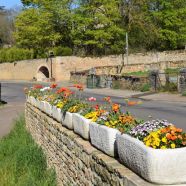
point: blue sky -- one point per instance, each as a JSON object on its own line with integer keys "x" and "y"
{"x": 10, "y": 3}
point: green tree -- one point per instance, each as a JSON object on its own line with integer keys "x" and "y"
{"x": 96, "y": 29}
{"x": 170, "y": 19}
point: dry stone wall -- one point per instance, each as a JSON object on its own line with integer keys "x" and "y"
{"x": 75, "y": 160}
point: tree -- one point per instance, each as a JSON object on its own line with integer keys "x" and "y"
{"x": 170, "y": 19}
{"x": 96, "y": 29}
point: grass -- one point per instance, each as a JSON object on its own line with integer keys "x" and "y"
{"x": 172, "y": 70}
{"x": 138, "y": 73}
{"x": 22, "y": 162}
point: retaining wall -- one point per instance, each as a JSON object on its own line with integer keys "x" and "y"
{"x": 75, "y": 160}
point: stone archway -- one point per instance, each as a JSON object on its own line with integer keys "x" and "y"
{"x": 43, "y": 74}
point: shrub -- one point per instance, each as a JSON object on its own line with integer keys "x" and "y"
{"x": 62, "y": 51}
{"x": 145, "y": 87}
{"x": 14, "y": 54}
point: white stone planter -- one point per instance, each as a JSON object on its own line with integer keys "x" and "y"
{"x": 161, "y": 166}
{"x": 32, "y": 101}
{"x": 104, "y": 138}
{"x": 57, "y": 114}
{"x": 81, "y": 125}
{"x": 42, "y": 106}
{"x": 67, "y": 120}
{"x": 37, "y": 104}
{"x": 28, "y": 99}
{"x": 48, "y": 108}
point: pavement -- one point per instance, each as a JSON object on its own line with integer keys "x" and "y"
{"x": 8, "y": 113}
{"x": 154, "y": 105}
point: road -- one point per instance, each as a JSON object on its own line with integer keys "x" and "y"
{"x": 175, "y": 112}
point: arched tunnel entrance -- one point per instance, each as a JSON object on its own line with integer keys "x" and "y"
{"x": 43, "y": 74}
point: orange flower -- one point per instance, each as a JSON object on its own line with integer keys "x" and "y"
{"x": 168, "y": 136}
{"x": 179, "y": 130}
{"x": 173, "y": 138}
{"x": 173, "y": 128}
{"x": 180, "y": 137}
{"x": 164, "y": 130}
{"x": 132, "y": 103}
{"x": 107, "y": 99}
{"x": 53, "y": 86}
{"x": 78, "y": 86}
{"x": 62, "y": 89}
{"x": 115, "y": 107}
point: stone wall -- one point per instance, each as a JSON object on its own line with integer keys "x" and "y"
{"x": 62, "y": 66}
{"x": 76, "y": 162}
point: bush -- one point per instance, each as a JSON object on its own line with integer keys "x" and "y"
{"x": 22, "y": 162}
{"x": 184, "y": 93}
{"x": 62, "y": 51}
{"x": 145, "y": 87}
{"x": 170, "y": 87}
{"x": 14, "y": 54}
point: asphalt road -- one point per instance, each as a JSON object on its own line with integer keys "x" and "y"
{"x": 173, "y": 112}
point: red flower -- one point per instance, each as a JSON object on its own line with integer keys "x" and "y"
{"x": 62, "y": 89}
{"x": 78, "y": 86}
{"x": 53, "y": 86}
{"x": 38, "y": 86}
{"x": 96, "y": 107}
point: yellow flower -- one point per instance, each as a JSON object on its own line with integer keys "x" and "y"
{"x": 173, "y": 146}
{"x": 163, "y": 147}
{"x": 164, "y": 140}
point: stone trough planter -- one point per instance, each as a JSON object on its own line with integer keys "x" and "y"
{"x": 42, "y": 106}
{"x": 81, "y": 125}
{"x": 57, "y": 114}
{"x": 67, "y": 120}
{"x": 48, "y": 108}
{"x": 160, "y": 166}
{"x": 104, "y": 138}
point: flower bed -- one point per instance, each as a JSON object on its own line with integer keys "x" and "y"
{"x": 153, "y": 149}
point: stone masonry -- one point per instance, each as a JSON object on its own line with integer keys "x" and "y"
{"x": 75, "y": 160}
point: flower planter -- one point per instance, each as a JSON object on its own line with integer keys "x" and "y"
{"x": 57, "y": 114}
{"x": 32, "y": 101}
{"x": 160, "y": 166}
{"x": 48, "y": 108}
{"x": 81, "y": 125}
{"x": 104, "y": 138}
{"x": 42, "y": 106}
{"x": 37, "y": 104}
{"x": 29, "y": 99}
{"x": 67, "y": 120}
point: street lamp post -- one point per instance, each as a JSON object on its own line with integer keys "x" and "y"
{"x": 51, "y": 55}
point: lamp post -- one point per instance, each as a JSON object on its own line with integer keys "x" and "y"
{"x": 51, "y": 55}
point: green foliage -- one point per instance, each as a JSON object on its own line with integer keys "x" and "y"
{"x": 98, "y": 27}
{"x": 15, "y": 54}
{"x": 172, "y": 70}
{"x": 169, "y": 87}
{"x": 137, "y": 73}
{"x": 62, "y": 51}
{"x": 22, "y": 162}
{"x": 184, "y": 93}
{"x": 145, "y": 87}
